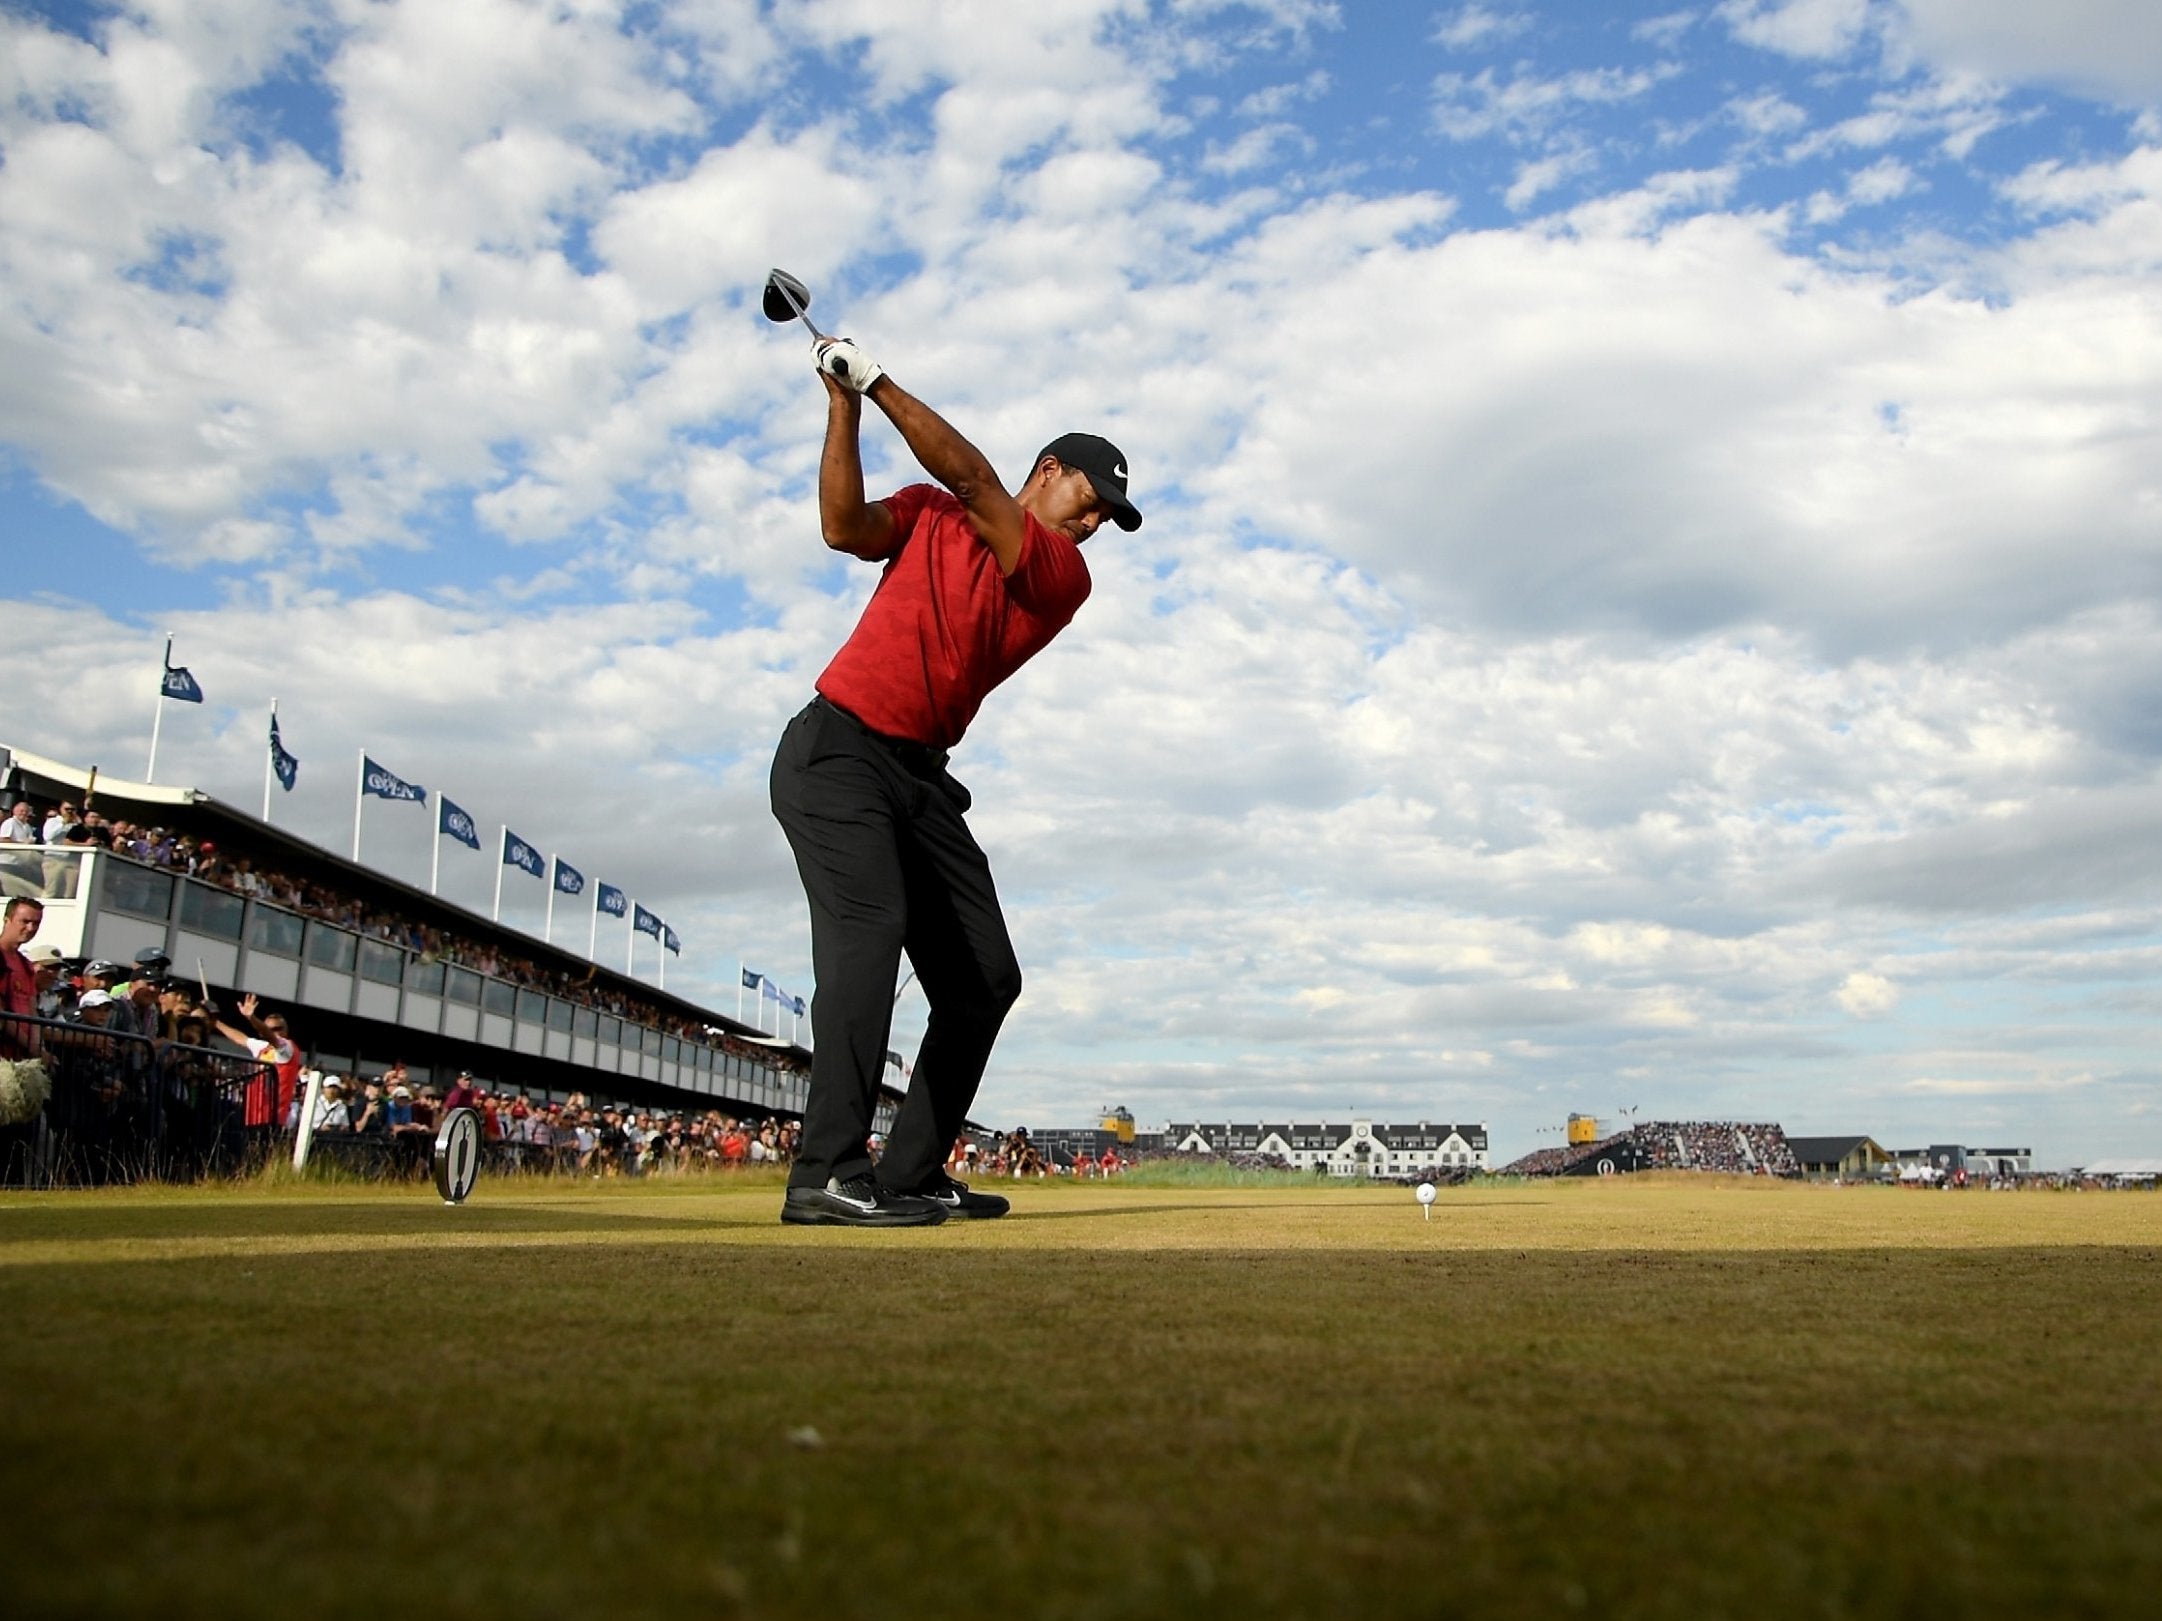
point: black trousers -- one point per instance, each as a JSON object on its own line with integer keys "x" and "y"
{"x": 889, "y": 866}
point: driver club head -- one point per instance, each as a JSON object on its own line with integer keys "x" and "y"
{"x": 787, "y": 299}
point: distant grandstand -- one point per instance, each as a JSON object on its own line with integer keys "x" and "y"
{"x": 1745, "y": 1148}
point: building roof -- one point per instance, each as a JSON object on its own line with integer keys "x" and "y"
{"x": 1827, "y": 1150}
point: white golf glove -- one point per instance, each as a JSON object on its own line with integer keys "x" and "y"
{"x": 844, "y": 362}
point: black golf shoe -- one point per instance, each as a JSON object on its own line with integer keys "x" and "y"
{"x": 859, "y": 1202}
{"x": 956, "y": 1199}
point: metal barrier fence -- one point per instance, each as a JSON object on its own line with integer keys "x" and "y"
{"x": 127, "y": 1109}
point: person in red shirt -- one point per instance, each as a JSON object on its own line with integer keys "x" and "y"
{"x": 268, "y": 1040}
{"x": 976, "y": 582}
{"x": 18, "y": 978}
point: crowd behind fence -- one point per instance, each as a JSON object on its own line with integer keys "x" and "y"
{"x": 123, "y": 1108}
{"x": 380, "y": 1127}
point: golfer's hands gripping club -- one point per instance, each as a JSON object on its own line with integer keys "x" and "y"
{"x": 842, "y": 360}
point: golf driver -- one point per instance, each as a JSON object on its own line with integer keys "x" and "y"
{"x": 787, "y": 299}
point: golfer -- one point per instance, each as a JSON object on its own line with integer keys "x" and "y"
{"x": 976, "y": 582}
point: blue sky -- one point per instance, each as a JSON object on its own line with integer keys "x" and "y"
{"x": 1650, "y": 587}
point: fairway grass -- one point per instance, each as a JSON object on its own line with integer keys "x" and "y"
{"x": 1662, "y": 1396}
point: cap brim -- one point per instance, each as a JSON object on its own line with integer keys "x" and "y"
{"x": 1123, "y": 512}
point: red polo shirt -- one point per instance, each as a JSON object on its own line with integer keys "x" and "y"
{"x": 18, "y": 994}
{"x": 944, "y": 626}
{"x": 18, "y": 984}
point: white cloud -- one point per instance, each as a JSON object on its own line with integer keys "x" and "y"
{"x": 1475, "y": 27}
{"x": 1974, "y": 1087}
{"x": 1881, "y": 182}
{"x": 1468, "y": 109}
{"x": 2107, "y": 47}
{"x": 1867, "y": 996}
{"x": 1767, "y": 113}
{"x": 1812, "y": 29}
{"x": 1542, "y": 175}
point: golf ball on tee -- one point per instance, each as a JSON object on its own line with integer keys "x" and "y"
{"x": 1426, "y": 1193}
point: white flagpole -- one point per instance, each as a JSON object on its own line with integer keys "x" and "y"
{"x": 267, "y": 773}
{"x": 548, "y": 925}
{"x": 502, "y": 846}
{"x": 663, "y": 955}
{"x": 739, "y": 990}
{"x": 630, "y": 946}
{"x": 360, "y": 785}
{"x": 435, "y": 844}
{"x": 593, "y": 935}
{"x": 157, "y": 719}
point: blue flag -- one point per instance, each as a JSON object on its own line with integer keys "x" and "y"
{"x": 611, "y": 900}
{"x": 668, "y": 939}
{"x": 518, "y": 853}
{"x": 179, "y": 684}
{"x": 773, "y": 993}
{"x": 797, "y": 1004}
{"x": 450, "y": 819}
{"x": 645, "y": 922}
{"x": 284, "y": 765}
{"x": 750, "y": 980}
{"x": 569, "y": 880}
{"x": 387, "y": 784}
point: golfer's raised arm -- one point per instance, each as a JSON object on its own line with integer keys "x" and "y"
{"x": 992, "y": 511}
{"x": 849, "y": 523}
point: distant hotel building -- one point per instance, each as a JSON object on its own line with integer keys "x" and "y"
{"x": 1361, "y": 1148}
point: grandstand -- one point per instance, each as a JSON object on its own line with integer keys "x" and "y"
{"x": 1745, "y": 1148}
{"x": 373, "y": 971}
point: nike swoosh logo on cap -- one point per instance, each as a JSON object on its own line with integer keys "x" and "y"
{"x": 1119, "y": 471}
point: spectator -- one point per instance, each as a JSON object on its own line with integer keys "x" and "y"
{"x": 400, "y": 1111}
{"x": 55, "y": 990}
{"x": 93, "y": 1010}
{"x": 273, "y": 1044}
{"x": 21, "y": 826}
{"x": 374, "y": 1118}
{"x": 57, "y": 825}
{"x": 100, "y": 975}
{"x": 331, "y": 1113}
{"x": 18, "y": 979}
{"x": 137, "y": 1012}
{"x": 463, "y": 1093}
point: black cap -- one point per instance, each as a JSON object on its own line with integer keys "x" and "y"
{"x": 1105, "y": 465}
{"x": 154, "y": 959}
